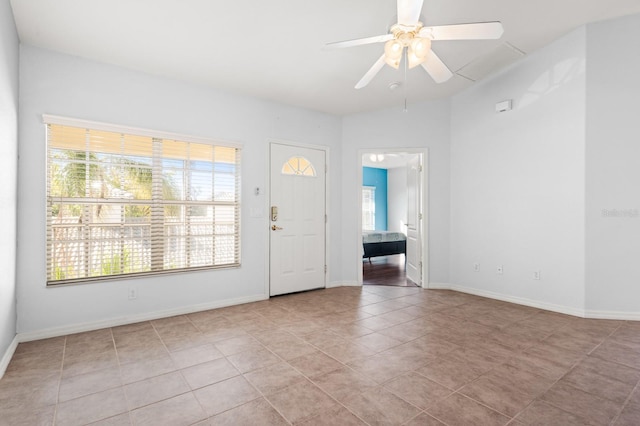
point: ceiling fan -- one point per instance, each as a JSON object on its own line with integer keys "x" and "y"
{"x": 409, "y": 33}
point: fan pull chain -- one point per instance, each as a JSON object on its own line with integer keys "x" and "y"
{"x": 406, "y": 59}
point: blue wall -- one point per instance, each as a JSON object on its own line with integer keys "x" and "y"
{"x": 378, "y": 178}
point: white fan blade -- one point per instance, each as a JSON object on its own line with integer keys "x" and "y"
{"x": 375, "y": 69}
{"x": 409, "y": 11}
{"x": 436, "y": 68}
{"x": 359, "y": 41}
{"x": 476, "y": 31}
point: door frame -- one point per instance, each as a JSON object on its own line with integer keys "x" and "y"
{"x": 424, "y": 206}
{"x": 267, "y": 219}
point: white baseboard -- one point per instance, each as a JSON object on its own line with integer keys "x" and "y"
{"x": 520, "y": 301}
{"x": 438, "y": 286}
{"x": 114, "y": 322}
{"x": 582, "y": 313}
{"x": 614, "y": 315}
{"x": 8, "y": 354}
{"x": 343, "y": 284}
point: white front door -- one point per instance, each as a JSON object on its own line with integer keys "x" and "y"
{"x": 296, "y": 219}
{"x": 414, "y": 220}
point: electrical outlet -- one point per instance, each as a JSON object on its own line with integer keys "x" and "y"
{"x": 499, "y": 270}
{"x": 476, "y": 267}
{"x": 536, "y": 275}
{"x": 133, "y": 293}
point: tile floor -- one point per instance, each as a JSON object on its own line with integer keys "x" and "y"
{"x": 345, "y": 356}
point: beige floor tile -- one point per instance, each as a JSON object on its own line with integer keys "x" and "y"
{"x": 541, "y": 413}
{"x": 404, "y": 332}
{"x": 343, "y": 383}
{"x": 377, "y": 342}
{"x": 630, "y": 416}
{"x": 238, "y": 344}
{"x": 155, "y": 389}
{"x": 292, "y": 348}
{"x": 369, "y": 346}
{"x": 379, "y": 368}
{"x": 380, "y": 407}
{"x": 88, "y": 383}
{"x": 177, "y": 411}
{"x": 54, "y": 344}
{"x": 196, "y": 355}
{"x": 301, "y": 401}
{"x": 324, "y": 339}
{"x": 208, "y": 373}
{"x": 119, "y": 420}
{"x": 144, "y": 352}
{"x": 274, "y": 377}
{"x": 17, "y": 391}
{"x": 458, "y": 410}
{"x": 253, "y": 359}
{"x": 42, "y": 362}
{"x": 256, "y": 412}
{"x": 225, "y": 395}
{"x": 91, "y": 408}
{"x": 599, "y": 385}
{"x": 497, "y": 395}
{"x": 417, "y": 390}
{"x": 140, "y": 370}
{"x": 452, "y": 373}
{"x": 89, "y": 362}
{"x": 423, "y": 419}
{"x": 315, "y": 364}
{"x": 626, "y": 354}
{"x": 21, "y": 416}
{"x": 582, "y": 404}
{"x": 613, "y": 370}
{"x": 337, "y": 416}
{"x": 348, "y": 352}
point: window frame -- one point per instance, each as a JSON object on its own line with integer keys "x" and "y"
{"x": 186, "y": 203}
{"x": 366, "y": 211}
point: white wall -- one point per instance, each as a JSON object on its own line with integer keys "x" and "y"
{"x": 8, "y": 174}
{"x": 613, "y": 166}
{"x": 397, "y": 199}
{"x": 517, "y": 180}
{"x": 425, "y": 125}
{"x": 62, "y": 85}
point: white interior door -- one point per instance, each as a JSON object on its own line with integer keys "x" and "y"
{"x": 296, "y": 219}
{"x": 414, "y": 220}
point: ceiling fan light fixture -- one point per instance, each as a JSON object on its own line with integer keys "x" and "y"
{"x": 393, "y": 53}
{"x": 421, "y": 46}
{"x": 417, "y": 51}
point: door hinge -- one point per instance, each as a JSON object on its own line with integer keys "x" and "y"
{"x": 326, "y": 168}
{"x": 325, "y": 218}
{"x": 420, "y": 168}
{"x": 420, "y": 216}
{"x": 325, "y": 269}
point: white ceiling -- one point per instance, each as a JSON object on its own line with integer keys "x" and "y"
{"x": 273, "y": 49}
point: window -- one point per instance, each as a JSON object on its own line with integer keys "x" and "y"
{"x": 298, "y": 166}
{"x": 368, "y": 208}
{"x": 128, "y": 202}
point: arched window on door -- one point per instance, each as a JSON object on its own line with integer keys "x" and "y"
{"x": 298, "y": 166}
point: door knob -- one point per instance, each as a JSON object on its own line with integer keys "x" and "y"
{"x": 275, "y": 228}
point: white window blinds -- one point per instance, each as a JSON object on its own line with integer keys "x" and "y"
{"x": 124, "y": 204}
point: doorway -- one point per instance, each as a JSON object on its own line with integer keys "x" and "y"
{"x": 393, "y": 220}
{"x": 297, "y": 218}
